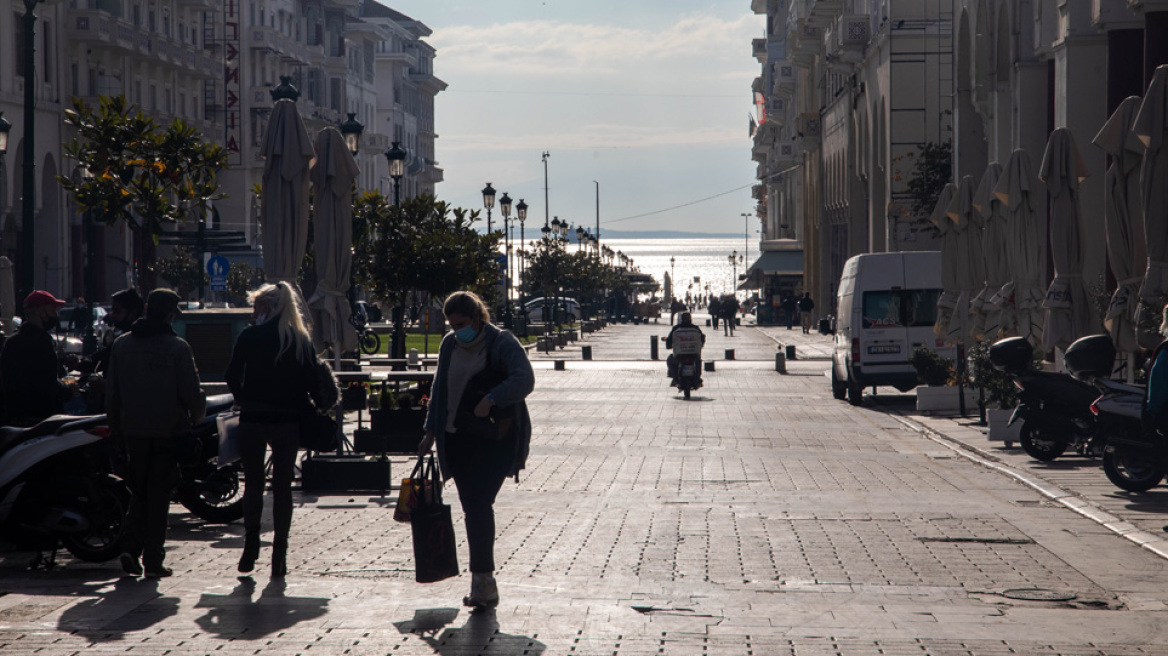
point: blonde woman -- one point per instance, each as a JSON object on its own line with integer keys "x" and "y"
{"x": 482, "y": 372}
{"x": 273, "y": 376}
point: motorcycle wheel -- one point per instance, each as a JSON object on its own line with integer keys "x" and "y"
{"x": 1039, "y": 444}
{"x": 218, "y": 498}
{"x": 1131, "y": 472}
{"x": 107, "y": 512}
{"x": 839, "y": 389}
{"x": 370, "y": 343}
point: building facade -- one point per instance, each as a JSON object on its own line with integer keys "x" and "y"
{"x": 213, "y": 64}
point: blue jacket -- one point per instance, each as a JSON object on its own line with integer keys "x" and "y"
{"x": 508, "y": 354}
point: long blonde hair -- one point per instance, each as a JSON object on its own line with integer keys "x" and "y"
{"x": 285, "y": 304}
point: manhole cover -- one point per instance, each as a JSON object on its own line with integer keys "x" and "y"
{"x": 1038, "y": 594}
{"x": 370, "y": 573}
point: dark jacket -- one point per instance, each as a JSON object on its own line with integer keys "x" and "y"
{"x": 806, "y": 304}
{"x": 152, "y": 385}
{"x": 267, "y": 390}
{"x": 669, "y": 337}
{"x": 30, "y": 377}
{"x": 506, "y": 354}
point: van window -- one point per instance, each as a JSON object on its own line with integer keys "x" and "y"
{"x": 900, "y": 308}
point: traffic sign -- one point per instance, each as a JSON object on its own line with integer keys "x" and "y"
{"x": 217, "y": 268}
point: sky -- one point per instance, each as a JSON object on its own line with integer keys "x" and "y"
{"x": 647, "y": 98}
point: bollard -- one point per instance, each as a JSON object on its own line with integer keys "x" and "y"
{"x": 707, "y": 322}
{"x": 708, "y": 365}
{"x": 780, "y": 362}
{"x": 653, "y": 347}
{"x": 790, "y": 351}
{"x": 729, "y": 354}
{"x": 559, "y": 365}
{"x": 586, "y": 352}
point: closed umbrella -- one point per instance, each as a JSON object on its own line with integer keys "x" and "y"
{"x": 970, "y": 262}
{"x": 1068, "y": 309}
{"x": 949, "y": 276}
{"x": 332, "y": 178}
{"x": 1124, "y": 221}
{"x": 995, "y": 307}
{"x": 1018, "y": 190}
{"x": 7, "y": 295}
{"x": 1151, "y": 127}
{"x": 287, "y": 152}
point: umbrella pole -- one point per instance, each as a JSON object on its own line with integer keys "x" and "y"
{"x": 961, "y": 378}
{"x": 340, "y": 409}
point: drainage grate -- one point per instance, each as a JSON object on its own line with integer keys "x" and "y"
{"x": 978, "y": 540}
{"x": 369, "y": 573}
{"x": 1038, "y": 594}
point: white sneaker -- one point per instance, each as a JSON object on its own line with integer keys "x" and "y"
{"x": 483, "y": 592}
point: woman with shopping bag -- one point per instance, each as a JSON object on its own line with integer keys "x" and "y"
{"x": 479, "y": 421}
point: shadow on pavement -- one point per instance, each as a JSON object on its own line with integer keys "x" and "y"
{"x": 479, "y": 635}
{"x": 132, "y": 605}
{"x": 238, "y": 616}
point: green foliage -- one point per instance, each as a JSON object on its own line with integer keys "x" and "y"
{"x": 931, "y": 171}
{"x": 182, "y": 270}
{"x": 242, "y": 278}
{"x": 932, "y": 369}
{"x": 422, "y": 245}
{"x": 159, "y": 175}
{"x": 1000, "y": 391}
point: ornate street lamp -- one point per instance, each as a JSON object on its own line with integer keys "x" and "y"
{"x": 351, "y": 130}
{"x": 283, "y": 91}
{"x": 488, "y": 202}
{"x": 521, "y": 211}
{"x": 505, "y": 210}
{"x": 396, "y": 156}
{"x": 5, "y": 127}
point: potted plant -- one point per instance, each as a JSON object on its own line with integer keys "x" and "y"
{"x": 1001, "y": 395}
{"x": 937, "y": 393}
{"x": 396, "y": 425}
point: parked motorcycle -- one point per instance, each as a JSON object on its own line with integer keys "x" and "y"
{"x": 1134, "y": 459}
{"x": 1054, "y": 407}
{"x": 210, "y": 491}
{"x": 687, "y": 357}
{"x": 57, "y": 488}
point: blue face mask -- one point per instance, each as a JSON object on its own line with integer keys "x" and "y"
{"x": 466, "y": 334}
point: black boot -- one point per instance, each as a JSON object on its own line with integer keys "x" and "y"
{"x": 251, "y": 551}
{"x": 279, "y": 557}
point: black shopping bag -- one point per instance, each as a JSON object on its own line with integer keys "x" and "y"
{"x": 435, "y": 556}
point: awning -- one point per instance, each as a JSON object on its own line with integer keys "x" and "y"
{"x": 782, "y": 263}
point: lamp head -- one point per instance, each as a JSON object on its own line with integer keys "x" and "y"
{"x": 521, "y": 208}
{"x": 5, "y": 127}
{"x": 351, "y": 129}
{"x": 488, "y": 196}
{"x": 505, "y": 205}
{"x": 396, "y": 156}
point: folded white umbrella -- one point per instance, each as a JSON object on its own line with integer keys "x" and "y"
{"x": 1018, "y": 189}
{"x": 287, "y": 152}
{"x": 1150, "y": 128}
{"x": 332, "y": 178}
{"x": 1124, "y": 221}
{"x": 949, "y": 282}
{"x": 995, "y": 308}
{"x": 963, "y": 327}
{"x": 1067, "y": 306}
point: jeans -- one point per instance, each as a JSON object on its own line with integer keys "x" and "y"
{"x": 284, "y": 438}
{"x": 152, "y": 473}
{"x": 479, "y": 468}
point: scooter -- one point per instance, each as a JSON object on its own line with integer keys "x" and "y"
{"x": 57, "y": 488}
{"x": 211, "y": 491}
{"x": 1134, "y": 458}
{"x": 687, "y": 357}
{"x": 1054, "y": 408}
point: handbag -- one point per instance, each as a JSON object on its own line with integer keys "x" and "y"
{"x": 318, "y": 433}
{"x": 227, "y": 424}
{"x": 420, "y": 484}
{"x": 435, "y": 554}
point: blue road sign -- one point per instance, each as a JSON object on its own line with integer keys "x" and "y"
{"x": 217, "y": 268}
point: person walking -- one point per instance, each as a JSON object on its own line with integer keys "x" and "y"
{"x": 30, "y": 372}
{"x": 153, "y": 399}
{"x": 806, "y": 305}
{"x": 715, "y": 310}
{"x": 730, "y": 313}
{"x": 482, "y": 371}
{"x": 789, "y": 306}
{"x": 276, "y": 381}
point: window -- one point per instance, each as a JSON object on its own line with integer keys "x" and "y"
{"x": 900, "y": 308}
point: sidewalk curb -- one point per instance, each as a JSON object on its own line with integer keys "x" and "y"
{"x": 1156, "y": 544}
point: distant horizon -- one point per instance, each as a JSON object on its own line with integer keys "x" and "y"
{"x": 534, "y": 233}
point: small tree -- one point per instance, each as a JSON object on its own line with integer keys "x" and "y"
{"x": 182, "y": 270}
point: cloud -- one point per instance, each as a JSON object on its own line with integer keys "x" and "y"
{"x": 692, "y": 45}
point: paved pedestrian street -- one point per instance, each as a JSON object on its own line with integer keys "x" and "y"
{"x": 761, "y": 517}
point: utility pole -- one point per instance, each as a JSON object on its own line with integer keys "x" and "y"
{"x": 545, "y": 157}
{"x": 597, "y": 218}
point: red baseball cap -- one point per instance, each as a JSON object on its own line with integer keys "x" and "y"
{"x": 41, "y": 298}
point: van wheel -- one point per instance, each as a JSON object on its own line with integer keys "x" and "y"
{"x": 855, "y": 392}
{"x": 839, "y": 389}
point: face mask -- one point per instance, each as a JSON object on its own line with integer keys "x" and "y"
{"x": 466, "y": 334}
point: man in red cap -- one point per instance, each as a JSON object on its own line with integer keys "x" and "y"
{"x": 30, "y": 373}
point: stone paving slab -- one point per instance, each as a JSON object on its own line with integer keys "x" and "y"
{"x": 762, "y": 517}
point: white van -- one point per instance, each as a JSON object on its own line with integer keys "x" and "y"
{"x": 887, "y": 306}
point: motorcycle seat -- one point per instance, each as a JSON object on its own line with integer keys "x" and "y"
{"x": 10, "y": 436}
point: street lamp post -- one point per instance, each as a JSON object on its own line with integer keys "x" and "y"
{"x": 746, "y": 234}
{"x": 733, "y": 269}
{"x": 521, "y": 214}
{"x": 396, "y": 156}
{"x": 505, "y": 210}
{"x": 28, "y": 200}
{"x": 351, "y": 129}
{"x": 488, "y": 202}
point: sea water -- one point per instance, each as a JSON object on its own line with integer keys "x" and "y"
{"x": 700, "y": 265}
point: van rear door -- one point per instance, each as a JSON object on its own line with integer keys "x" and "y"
{"x": 883, "y": 338}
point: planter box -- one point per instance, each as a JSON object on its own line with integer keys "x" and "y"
{"x": 943, "y": 400}
{"x": 344, "y": 474}
{"x": 999, "y": 432}
{"x": 391, "y": 431}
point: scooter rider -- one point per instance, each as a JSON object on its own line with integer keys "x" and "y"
{"x": 685, "y": 321}
{"x": 30, "y": 372}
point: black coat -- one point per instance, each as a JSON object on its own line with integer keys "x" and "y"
{"x": 30, "y": 377}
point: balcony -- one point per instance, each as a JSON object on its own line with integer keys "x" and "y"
{"x": 259, "y": 97}
{"x": 1114, "y": 14}
{"x": 822, "y": 13}
{"x": 849, "y": 37}
{"x": 758, "y": 50}
{"x": 806, "y": 42}
{"x": 262, "y": 37}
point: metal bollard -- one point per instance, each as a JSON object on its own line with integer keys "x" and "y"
{"x": 653, "y": 347}
{"x": 729, "y": 354}
{"x": 790, "y": 351}
{"x": 586, "y": 352}
{"x": 559, "y": 365}
{"x": 780, "y": 362}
